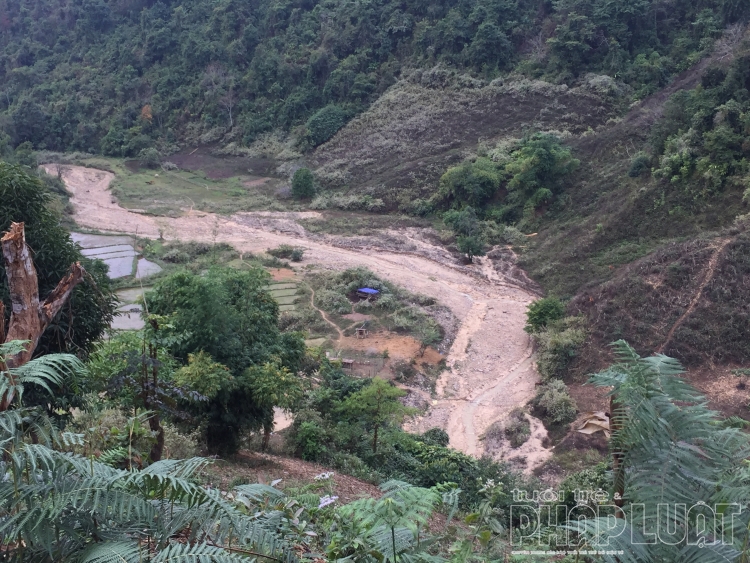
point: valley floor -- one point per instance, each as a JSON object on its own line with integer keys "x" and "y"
{"x": 490, "y": 366}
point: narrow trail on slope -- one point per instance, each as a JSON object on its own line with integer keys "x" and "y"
{"x": 708, "y": 276}
{"x": 323, "y": 314}
{"x": 490, "y": 370}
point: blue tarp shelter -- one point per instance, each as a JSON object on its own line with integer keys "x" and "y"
{"x": 368, "y": 291}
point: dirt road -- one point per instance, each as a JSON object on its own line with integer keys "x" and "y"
{"x": 490, "y": 367}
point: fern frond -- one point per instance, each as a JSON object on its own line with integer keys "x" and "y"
{"x": 112, "y": 552}
{"x": 202, "y": 553}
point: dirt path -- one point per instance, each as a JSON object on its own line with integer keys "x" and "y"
{"x": 490, "y": 368}
{"x": 709, "y": 275}
{"x": 323, "y": 314}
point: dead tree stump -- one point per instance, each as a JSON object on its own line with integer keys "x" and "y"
{"x": 29, "y": 317}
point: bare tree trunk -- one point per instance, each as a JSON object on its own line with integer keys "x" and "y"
{"x": 157, "y": 449}
{"x": 2, "y": 322}
{"x": 267, "y": 428}
{"x": 618, "y": 471}
{"x": 29, "y": 317}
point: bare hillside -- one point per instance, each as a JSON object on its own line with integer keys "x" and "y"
{"x": 401, "y": 146}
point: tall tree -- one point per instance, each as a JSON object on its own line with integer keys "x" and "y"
{"x": 377, "y": 405}
{"x": 230, "y": 316}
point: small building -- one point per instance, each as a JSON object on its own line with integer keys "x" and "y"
{"x": 367, "y": 292}
{"x": 362, "y": 332}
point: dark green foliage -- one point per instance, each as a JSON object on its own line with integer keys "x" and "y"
{"x": 471, "y": 183}
{"x": 23, "y": 198}
{"x": 463, "y": 222}
{"x": 257, "y": 66}
{"x": 703, "y": 139}
{"x": 288, "y": 251}
{"x": 558, "y": 344}
{"x": 471, "y": 246}
{"x": 55, "y": 503}
{"x": 229, "y": 315}
{"x": 329, "y": 428}
{"x": 324, "y": 123}
{"x": 641, "y": 163}
{"x": 554, "y": 404}
{"x": 308, "y": 437}
{"x": 470, "y": 240}
{"x": 537, "y": 170}
{"x": 149, "y": 158}
{"x": 530, "y": 175}
{"x": 303, "y": 184}
{"x": 517, "y": 428}
{"x": 667, "y": 445}
{"x": 542, "y": 312}
{"x": 436, "y": 437}
{"x": 25, "y": 156}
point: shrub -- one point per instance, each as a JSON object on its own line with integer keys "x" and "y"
{"x": 176, "y": 256}
{"x": 436, "y": 437}
{"x": 333, "y": 302}
{"x": 558, "y": 345}
{"x": 555, "y": 404}
{"x": 641, "y": 163}
{"x": 296, "y": 255}
{"x": 178, "y": 445}
{"x": 542, "y": 312}
{"x": 590, "y": 479}
{"x": 308, "y": 436}
{"x": 517, "y": 428}
{"x": 324, "y": 124}
{"x": 303, "y": 184}
{"x": 149, "y": 158}
{"x": 493, "y": 437}
{"x": 282, "y": 251}
{"x": 512, "y": 235}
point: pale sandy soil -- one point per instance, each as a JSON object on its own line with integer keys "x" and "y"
{"x": 490, "y": 365}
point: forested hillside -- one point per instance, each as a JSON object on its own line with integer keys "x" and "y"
{"x": 120, "y": 76}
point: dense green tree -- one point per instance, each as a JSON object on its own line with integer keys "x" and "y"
{"x": 230, "y": 316}
{"x": 24, "y": 198}
{"x": 471, "y": 183}
{"x": 511, "y": 185}
{"x": 303, "y": 184}
{"x": 324, "y": 123}
{"x": 471, "y": 245}
{"x": 536, "y": 171}
{"x": 137, "y": 373}
{"x": 376, "y": 405}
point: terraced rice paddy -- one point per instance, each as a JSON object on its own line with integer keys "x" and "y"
{"x": 118, "y": 253}
{"x": 285, "y": 295}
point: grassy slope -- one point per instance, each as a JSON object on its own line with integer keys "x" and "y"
{"x": 400, "y": 147}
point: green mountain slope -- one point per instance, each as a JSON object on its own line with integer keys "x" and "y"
{"x": 118, "y": 76}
